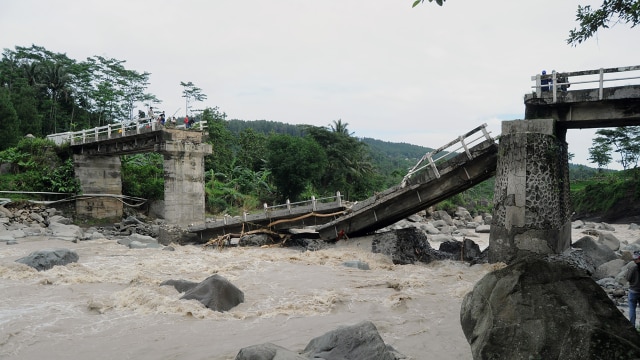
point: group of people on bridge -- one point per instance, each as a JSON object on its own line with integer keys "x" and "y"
{"x": 546, "y": 81}
{"x": 170, "y": 122}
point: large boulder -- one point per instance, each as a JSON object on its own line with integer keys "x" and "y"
{"x": 429, "y": 228}
{"x": 442, "y": 215}
{"x": 168, "y": 234}
{"x": 406, "y": 246}
{"x": 466, "y": 250}
{"x": 463, "y": 214}
{"x": 267, "y": 351}
{"x": 47, "y": 258}
{"x": 65, "y": 232}
{"x": 359, "y": 341}
{"x": 534, "y": 309}
{"x": 608, "y": 239}
{"x": 575, "y": 258}
{"x": 139, "y": 241}
{"x": 609, "y": 269}
{"x": 216, "y": 293}
{"x": 599, "y": 253}
{"x": 255, "y": 240}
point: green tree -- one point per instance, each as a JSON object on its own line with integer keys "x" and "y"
{"x": 623, "y": 140}
{"x": 69, "y": 94}
{"x": 9, "y": 125}
{"x": 55, "y": 79}
{"x": 24, "y": 99}
{"x": 295, "y": 163}
{"x": 191, "y": 93}
{"x": 143, "y": 175}
{"x": 339, "y": 127}
{"x": 253, "y": 147}
{"x": 239, "y": 190}
{"x": 610, "y": 12}
{"x": 600, "y": 152}
{"x": 349, "y": 168}
{"x": 221, "y": 139}
{"x": 39, "y": 165}
{"x": 439, "y": 2}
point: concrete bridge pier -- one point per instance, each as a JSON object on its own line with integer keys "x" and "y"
{"x": 98, "y": 175}
{"x": 531, "y": 206}
{"x": 184, "y": 181}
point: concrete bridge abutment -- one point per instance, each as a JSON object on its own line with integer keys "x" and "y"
{"x": 531, "y": 206}
{"x": 97, "y": 167}
{"x": 184, "y": 196}
{"x": 98, "y": 175}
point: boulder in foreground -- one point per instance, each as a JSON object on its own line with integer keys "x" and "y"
{"x": 407, "y": 246}
{"x": 267, "y": 351}
{"x": 47, "y": 258}
{"x": 214, "y": 292}
{"x": 534, "y": 309}
{"x": 359, "y": 341}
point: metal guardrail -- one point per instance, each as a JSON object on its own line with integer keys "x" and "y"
{"x": 431, "y": 159}
{"x": 118, "y": 130}
{"x": 559, "y": 81}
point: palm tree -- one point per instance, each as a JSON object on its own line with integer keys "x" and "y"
{"x": 55, "y": 79}
{"x": 340, "y": 127}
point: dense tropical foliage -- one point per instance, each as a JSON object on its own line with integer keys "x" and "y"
{"x": 38, "y": 165}
{"x": 49, "y": 92}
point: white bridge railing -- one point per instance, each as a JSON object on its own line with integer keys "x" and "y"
{"x": 117, "y": 130}
{"x": 463, "y": 142}
{"x": 558, "y": 82}
{"x": 299, "y": 207}
{"x": 312, "y": 203}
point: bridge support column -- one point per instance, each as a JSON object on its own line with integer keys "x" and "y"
{"x": 184, "y": 182}
{"x": 98, "y": 175}
{"x": 531, "y": 206}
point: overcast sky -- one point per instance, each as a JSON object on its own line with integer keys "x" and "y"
{"x": 419, "y": 75}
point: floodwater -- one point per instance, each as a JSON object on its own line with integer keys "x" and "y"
{"x": 109, "y": 304}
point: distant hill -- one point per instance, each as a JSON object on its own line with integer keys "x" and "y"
{"x": 392, "y": 160}
{"x": 583, "y": 172}
{"x": 265, "y": 127}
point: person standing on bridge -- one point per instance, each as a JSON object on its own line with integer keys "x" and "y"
{"x": 545, "y": 81}
{"x": 633, "y": 276}
{"x": 563, "y": 81}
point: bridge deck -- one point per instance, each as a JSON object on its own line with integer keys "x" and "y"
{"x": 313, "y": 214}
{"x": 458, "y": 174}
{"x": 582, "y": 105}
